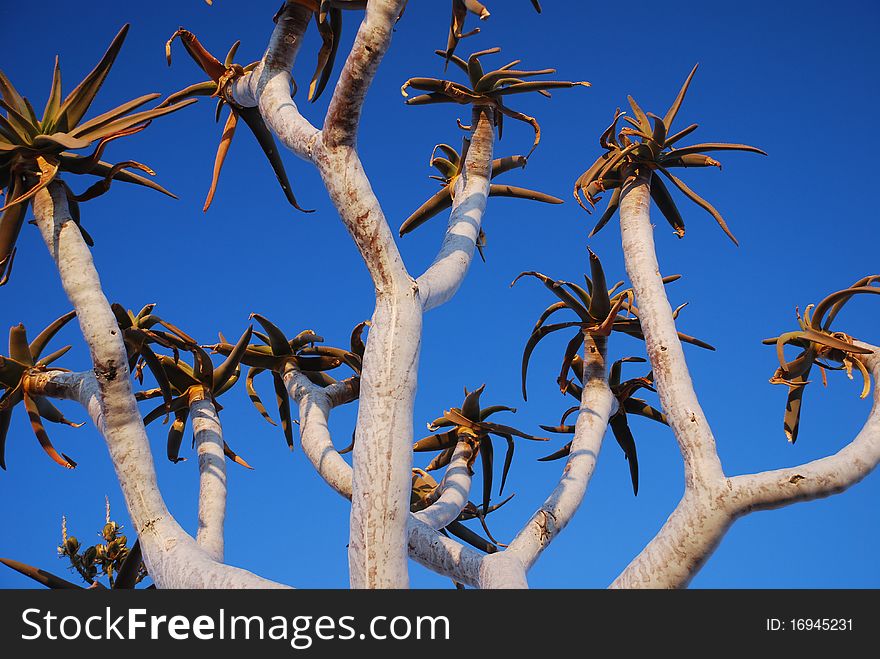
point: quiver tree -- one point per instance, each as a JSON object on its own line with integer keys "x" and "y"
{"x": 399, "y": 511}
{"x": 34, "y": 152}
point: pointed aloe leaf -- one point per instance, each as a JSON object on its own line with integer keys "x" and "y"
{"x": 11, "y": 221}
{"x": 53, "y": 356}
{"x": 220, "y": 158}
{"x": 254, "y": 396}
{"x": 487, "y": 82}
{"x": 714, "y": 146}
{"x": 498, "y": 190}
{"x": 71, "y": 161}
{"x": 549, "y": 311}
{"x": 670, "y": 115}
{"x": 126, "y": 578}
{"x": 642, "y": 408}
{"x": 660, "y": 195}
{"x": 600, "y": 305}
{"x": 832, "y": 342}
{"x": 277, "y": 339}
{"x": 17, "y": 124}
{"x": 471, "y": 406}
{"x": 232, "y": 455}
{"x": 792, "y": 418}
{"x": 37, "y": 425}
{"x": 78, "y": 101}
{"x": 51, "y": 413}
{"x": 258, "y": 127}
{"x": 327, "y": 55}
{"x": 39, "y": 343}
{"x": 283, "y": 401}
{"x": 487, "y": 457}
{"x": 508, "y": 460}
{"x": 117, "y": 113}
{"x": 223, "y": 372}
{"x": 125, "y": 123}
{"x": 11, "y": 95}
{"x": 557, "y": 455}
{"x": 18, "y": 345}
{"x": 206, "y": 88}
{"x": 356, "y": 342}
{"x": 571, "y": 351}
{"x": 643, "y": 122}
{"x": 438, "y": 442}
{"x": 540, "y": 86}
{"x": 558, "y": 288}
{"x": 48, "y": 579}
{"x": 54, "y": 101}
{"x": 486, "y": 412}
{"x": 175, "y": 435}
{"x": 199, "y": 54}
{"x": 613, "y": 205}
{"x": 155, "y": 366}
{"x": 699, "y": 201}
{"x": 672, "y": 139}
{"x": 835, "y": 302}
{"x": 532, "y": 343}
{"x": 432, "y": 207}
{"x": 502, "y": 430}
{"x": 462, "y": 532}
{"x": 616, "y": 367}
{"x": 5, "y": 418}
{"x": 623, "y": 435}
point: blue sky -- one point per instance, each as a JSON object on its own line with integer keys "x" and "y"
{"x": 792, "y": 78}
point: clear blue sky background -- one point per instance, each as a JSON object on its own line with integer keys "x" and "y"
{"x": 797, "y": 79}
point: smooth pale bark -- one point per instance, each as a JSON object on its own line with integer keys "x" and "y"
{"x": 269, "y": 85}
{"x": 424, "y": 545}
{"x": 451, "y": 495}
{"x": 712, "y": 501}
{"x": 315, "y": 404}
{"x": 208, "y": 436}
{"x": 382, "y": 454}
{"x": 383, "y": 439}
{"x": 444, "y": 277}
{"x": 172, "y": 557}
{"x": 597, "y": 406}
{"x": 702, "y": 468}
{"x": 820, "y": 478}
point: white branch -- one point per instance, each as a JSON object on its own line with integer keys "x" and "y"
{"x": 424, "y": 545}
{"x": 597, "y": 406}
{"x": 451, "y": 495}
{"x": 268, "y": 86}
{"x": 315, "y": 404}
{"x": 370, "y": 46}
{"x": 712, "y": 502}
{"x": 208, "y": 436}
{"x": 444, "y": 555}
{"x": 443, "y": 278}
{"x": 683, "y": 545}
{"x": 820, "y": 478}
{"x": 172, "y": 557}
{"x": 671, "y": 374}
